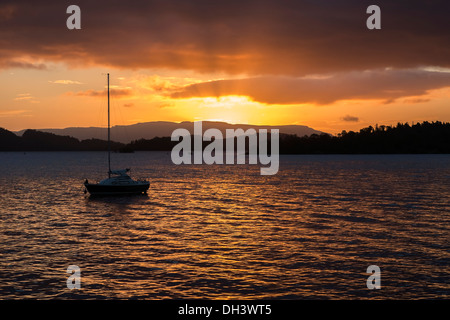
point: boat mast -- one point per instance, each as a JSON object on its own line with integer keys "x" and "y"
{"x": 109, "y": 138}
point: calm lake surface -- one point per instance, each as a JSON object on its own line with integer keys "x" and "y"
{"x": 225, "y": 231}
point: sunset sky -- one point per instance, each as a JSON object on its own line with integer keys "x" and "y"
{"x": 312, "y": 63}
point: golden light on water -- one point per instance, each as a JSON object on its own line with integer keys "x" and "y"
{"x": 225, "y": 231}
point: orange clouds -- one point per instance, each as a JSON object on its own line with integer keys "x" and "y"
{"x": 386, "y": 85}
{"x": 26, "y": 97}
{"x": 66, "y": 82}
{"x": 293, "y": 38}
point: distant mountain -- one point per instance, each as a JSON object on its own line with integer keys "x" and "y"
{"x": 150, "y": 130}
{"x": 425, "y": 137}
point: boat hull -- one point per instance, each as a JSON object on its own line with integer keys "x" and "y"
{"x": 101, "y": 189}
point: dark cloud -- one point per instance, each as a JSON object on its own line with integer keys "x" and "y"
{"x": 22, "y": 65}
{"x": 255, "y": 37}
{"x": 118, "y": 93}
{"x": 416, "y": 100}
{"x": 7, "y": 12}
{"x": 387, "y": 85}
{"x": 349, "y": 118}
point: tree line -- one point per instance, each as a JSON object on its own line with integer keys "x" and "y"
{"x": 425, "y": 137}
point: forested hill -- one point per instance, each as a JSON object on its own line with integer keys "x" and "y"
{"x": 33, "y": 140}
{"x": 425, "y": 137}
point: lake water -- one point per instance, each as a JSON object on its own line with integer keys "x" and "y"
{"x": 225, "y": 231}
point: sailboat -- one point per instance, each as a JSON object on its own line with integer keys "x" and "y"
{"x": 118, "y": 181}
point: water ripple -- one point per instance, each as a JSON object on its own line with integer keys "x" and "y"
{"x": 224, "y": 232}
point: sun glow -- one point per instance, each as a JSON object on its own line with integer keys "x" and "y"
{"x": 231, "y": 109}
{"x": 226, "y": 101}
